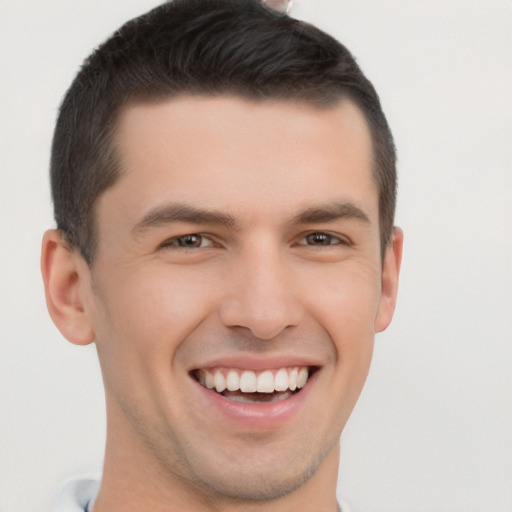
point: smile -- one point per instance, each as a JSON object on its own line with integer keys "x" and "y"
{"x": 250, "y": 386}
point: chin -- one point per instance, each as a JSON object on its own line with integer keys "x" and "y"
{"x": 257, "y": 478}
{"x": 254, "y": 486}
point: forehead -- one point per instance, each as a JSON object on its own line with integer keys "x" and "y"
{"x": 225, "y": 151}
{"x": 215, "y": 115}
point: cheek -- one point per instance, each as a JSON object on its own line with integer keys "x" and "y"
{"x": 347, "y": 302}
{"x": 346, "y": 307}
{"x": 152, "y": 309}
{"x": 140, "y": 322}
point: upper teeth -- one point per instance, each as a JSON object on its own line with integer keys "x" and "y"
{"x": 249, "y": 381}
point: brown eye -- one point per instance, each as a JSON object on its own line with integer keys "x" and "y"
{"x": 321, "y": 239}
{"x": 190, "y": 241}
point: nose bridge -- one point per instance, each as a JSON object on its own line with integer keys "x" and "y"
{"x": 262, "y": 297}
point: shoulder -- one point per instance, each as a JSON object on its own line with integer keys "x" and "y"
{"x": 76, "y": 495}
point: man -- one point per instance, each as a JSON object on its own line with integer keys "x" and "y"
{"x": 224, "y": 189}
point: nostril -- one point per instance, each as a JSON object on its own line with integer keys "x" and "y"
{"x": 261, "y": 324}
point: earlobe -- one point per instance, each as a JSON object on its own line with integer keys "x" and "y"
{"x": 389, "y": 280}
{"x": 64, "y": 272}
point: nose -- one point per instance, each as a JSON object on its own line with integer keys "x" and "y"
{"x": 262, "y": 297}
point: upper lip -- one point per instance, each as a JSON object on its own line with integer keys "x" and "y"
{"x": 256, "y": 362}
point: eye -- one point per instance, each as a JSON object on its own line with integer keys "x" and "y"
{"x": 189, "y": 241}
{"x": 322, "y": 239}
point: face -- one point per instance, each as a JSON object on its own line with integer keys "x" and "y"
{"x": 237, "y": 288}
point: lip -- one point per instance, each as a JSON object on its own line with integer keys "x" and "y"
{"x": 255, "y": 416}
{"x": 256, "y": 363}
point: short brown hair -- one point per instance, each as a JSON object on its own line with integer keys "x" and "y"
{"x": 205, "y": 47}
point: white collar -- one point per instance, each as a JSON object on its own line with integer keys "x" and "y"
{"x": 77, "y": 495}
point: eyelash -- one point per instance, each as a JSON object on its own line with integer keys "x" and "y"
{"x": 332, "y": 240}
{"x": 180, "y": 242}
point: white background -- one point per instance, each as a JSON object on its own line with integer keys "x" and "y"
{"x": 433, "y": 429}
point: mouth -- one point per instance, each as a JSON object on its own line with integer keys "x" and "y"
{"x": 248, "y": 386}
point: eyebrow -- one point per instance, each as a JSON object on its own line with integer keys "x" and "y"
{"x": 331, "y": 212}
{"x": 176, "y": 212}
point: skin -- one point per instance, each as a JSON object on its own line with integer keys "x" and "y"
{"x": 257, "y": 285}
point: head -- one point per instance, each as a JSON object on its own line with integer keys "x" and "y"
{"x": 224, "y": 188}
{"x": 209, "y": 48}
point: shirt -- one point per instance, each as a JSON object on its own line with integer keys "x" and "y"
{"x": 77, "y": 496}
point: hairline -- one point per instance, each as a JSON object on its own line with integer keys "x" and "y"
{"x": 90, "y": 248}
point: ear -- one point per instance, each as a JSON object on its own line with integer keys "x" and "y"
{"x": 389, "y": 280}
{"x": 65, "y": 273}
